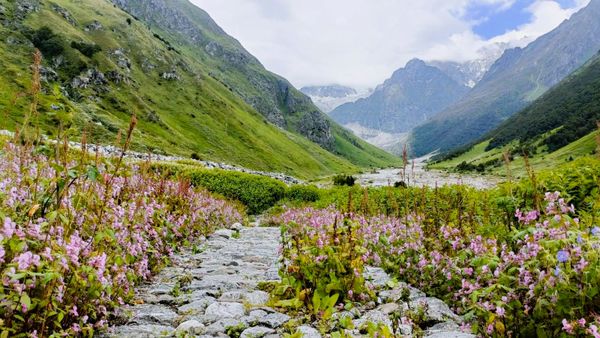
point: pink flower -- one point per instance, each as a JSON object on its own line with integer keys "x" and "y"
{"x": 593, "y": 330}
{"x": 2, "y": 253}
{"x": 500, "y": 311}
{"x": 567, "y": 327}
{"x": 9, "y": 227}
{"x": 27, "y": 259}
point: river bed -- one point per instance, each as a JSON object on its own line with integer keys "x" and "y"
{"x": 419, "y": 176}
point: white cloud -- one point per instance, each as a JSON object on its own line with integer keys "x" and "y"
{"x": 546, "y": 16}
{"x": 360, "y": 42}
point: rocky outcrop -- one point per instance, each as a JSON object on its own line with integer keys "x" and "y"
{"x": 65, "y": 14}
{"x": 92, "y": 77}
{"x": 93, "y": 26}
{"x": 316, "y": 128}
{"x": 121, "y": 59}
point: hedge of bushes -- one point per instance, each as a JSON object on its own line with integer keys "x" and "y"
{"x": 257, "y": 193}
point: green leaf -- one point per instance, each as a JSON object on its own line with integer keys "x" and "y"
{"x": 316, "y": 302}
{"x": 25, "y": 300}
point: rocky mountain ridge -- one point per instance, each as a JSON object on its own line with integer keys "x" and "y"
{"x": 408, "y": 98}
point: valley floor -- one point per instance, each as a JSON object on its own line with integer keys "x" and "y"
{"x": 419, "y": 176}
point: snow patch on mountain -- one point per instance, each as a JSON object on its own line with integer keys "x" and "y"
{"x": 327, "y": 98}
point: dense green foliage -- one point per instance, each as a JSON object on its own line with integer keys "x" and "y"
{"x": 514, "y": 260}
{"x": 573, "y": 106}
{"x": 258, "y": 193}
{"x": 303, "y": 193}
{"x": 347, "y": 180}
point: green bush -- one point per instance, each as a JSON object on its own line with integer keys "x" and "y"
{"x": 87, "y": 49}
{"x": 340, "y": 180}
{"x": 47, "y": 42}
{"x": 257, "y": 193}
{"x": 303, "y": 193}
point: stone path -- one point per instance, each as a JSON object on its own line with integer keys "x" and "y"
{"x": 206, "y": 293}
{"x": 213, "y": 293}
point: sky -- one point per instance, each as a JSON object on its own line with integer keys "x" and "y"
{"x": 360, "y": 43}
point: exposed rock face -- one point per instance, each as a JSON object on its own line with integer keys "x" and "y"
{"x": 317, "y": 129}
{"x": 64, "y": 13}
{"x": 91, "y": 77}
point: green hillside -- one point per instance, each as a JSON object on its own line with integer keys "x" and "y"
{"x": 478, "y": 159}
{"x": 101, "y": 65}
{"x": 573, "y": 106}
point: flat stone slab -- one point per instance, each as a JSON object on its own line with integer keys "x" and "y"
{"x": 225, "y": 310}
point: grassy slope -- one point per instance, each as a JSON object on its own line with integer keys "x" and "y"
{"x": 543, "y": 160}
{"x": 250, "y": 81}
{"x": 224, "y": 127}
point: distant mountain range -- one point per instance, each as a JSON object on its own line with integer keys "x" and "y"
{"x": 519, "y": 77}
{"x": 413, "y": 94}
{"x": 329, "y": 97}
{"x": 469, "y": 73}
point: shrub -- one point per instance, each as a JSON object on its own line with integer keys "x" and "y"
{"x": 303, "y": 193}
{"x": 322, "y": 264}
{"x": 195, "y": 156}
{"x": 47, "y": 42}
{"x": 87, "y": 49}
{"x": 257, "y": 193}
{"x": 340, "y": 180}
{"x": 400, "y": 184}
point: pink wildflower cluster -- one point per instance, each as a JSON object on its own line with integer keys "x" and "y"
{"x": 545, "y": 270}
{"x": 66, "y": 262}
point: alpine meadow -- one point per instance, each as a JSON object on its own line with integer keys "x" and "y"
{"x": 436, "y": 175}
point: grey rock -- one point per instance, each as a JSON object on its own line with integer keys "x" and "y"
{"x": 193, "y": 327}
{"x": 256, "y": 332}
{"x": 452, "y": 334}
{"x": 309, "y": 332}
{"x": 196, "y": 307}
{"x": 93, "y": 26}
{"x": 172, "y": 76}
{"x": 232, "y": 296}
{"x": 257, "y": 298}
{"x": 391, "y": 308}
{"x": 437, "y": 310}
{"x": 397, "y": 293}
{"x": 153, "y": 314}
{"x": 221, "y": 326}
{"x": 274, "y": 320}
{"x": 65, "y": 14}
{"x": 225, "y": 310}
{"x": 373, "y": 316}
{"x": 376, "y": 277}
{"x": 225, "y": 233}
{"x": 142, "y": 331}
